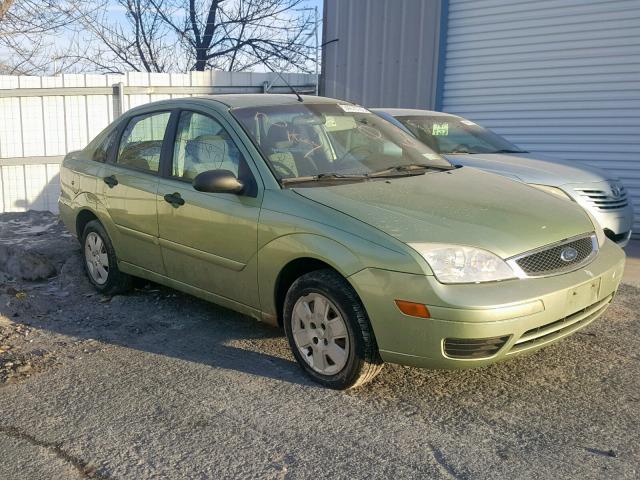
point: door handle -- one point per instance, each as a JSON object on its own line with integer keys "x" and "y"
{"x": 111, "y": 180}
{"x": 174, "y": 199}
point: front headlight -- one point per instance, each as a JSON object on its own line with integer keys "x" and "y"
{"x": 461, "y": 264}
{"x": 558, "y": 192}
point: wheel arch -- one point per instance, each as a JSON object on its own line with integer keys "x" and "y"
{"x": 286, "y": 258}
{"x": 84, "y": 216}
{"x": 289, "y": 274}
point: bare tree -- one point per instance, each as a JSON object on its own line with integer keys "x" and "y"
{"x": 239, "y": 34}
{"x": 4, "y": 7}
{"x": 136, "y": 40}
{"x": 49, "y": 36}
{"x": 26, "y": 28}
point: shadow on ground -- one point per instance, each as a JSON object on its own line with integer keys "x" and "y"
{"x": 571, "y": 410}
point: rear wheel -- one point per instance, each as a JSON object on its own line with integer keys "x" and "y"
{"x": 100, "y": 261}
{"x": 329, "y": 331}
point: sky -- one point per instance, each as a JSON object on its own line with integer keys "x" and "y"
{"x": 116, "y": 12}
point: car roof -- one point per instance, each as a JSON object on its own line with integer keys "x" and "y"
{"x": 406, "y": 112}
{"x": 241, "y": 100}
{"x": 233, "y": 100}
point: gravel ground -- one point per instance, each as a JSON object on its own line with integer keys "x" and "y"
{"x": 157, "y": 384}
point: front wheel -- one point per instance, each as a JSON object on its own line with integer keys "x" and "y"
{"x": 329, "y": 331}
{"x": 100, "y": 261}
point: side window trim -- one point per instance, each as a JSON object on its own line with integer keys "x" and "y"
{"x": 113, "y": 134}
{"x": 113, "y": 156}
{"x": 166, "y": 155}
{"x": 122, "y": 125}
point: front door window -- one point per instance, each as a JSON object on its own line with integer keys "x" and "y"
{"x": 203, "y": 144}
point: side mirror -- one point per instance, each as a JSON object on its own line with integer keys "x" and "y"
{"x": 218, "y": 181}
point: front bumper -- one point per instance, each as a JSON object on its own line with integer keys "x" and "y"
{"x": 615, "y": 215}
{"x": 616, "y": 224}
{"x": 530, "y": 312}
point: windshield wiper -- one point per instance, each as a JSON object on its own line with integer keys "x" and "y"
{"x": 503, "y": 150}
{"x": 325, "y": 176}
{"x": 407, "y": 169}
{"x": 395, "y": 171}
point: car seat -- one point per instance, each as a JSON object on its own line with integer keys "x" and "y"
{"x": 209, "y": 152}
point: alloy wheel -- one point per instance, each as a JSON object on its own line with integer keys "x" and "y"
{"x": 320, "y": 333}
{"x": 95, "y": 254}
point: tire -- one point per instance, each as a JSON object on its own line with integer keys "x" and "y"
{"x": 97, "y": 251}
{"x": 338, "y": 355}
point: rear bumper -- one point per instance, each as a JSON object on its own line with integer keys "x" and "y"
{"x": 529, "y": 313}
{"x": 66, "y": 214}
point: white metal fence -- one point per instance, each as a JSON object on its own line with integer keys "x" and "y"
{"x": 43, "y": 118}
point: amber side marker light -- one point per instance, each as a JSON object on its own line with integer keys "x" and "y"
{"x": 413, "y": 309}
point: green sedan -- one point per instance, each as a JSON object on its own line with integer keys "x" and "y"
{"x": 316, "y": 215}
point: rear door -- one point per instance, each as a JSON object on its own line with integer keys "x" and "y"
{"x": 209, "y": 240}
{"x": 129, "y": 186}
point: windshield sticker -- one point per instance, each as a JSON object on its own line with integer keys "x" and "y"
{"x": 339, "y": 123}
{"x": 432, "y": 156}
{"x": 467, "y": 122}
{"x": 353, "y": 108}
{"x": 440, "y": 129}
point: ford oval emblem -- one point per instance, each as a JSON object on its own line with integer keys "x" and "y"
{"x": 568, "y": 254}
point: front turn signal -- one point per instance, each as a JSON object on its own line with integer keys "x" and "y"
{"x": 413, "y": 309}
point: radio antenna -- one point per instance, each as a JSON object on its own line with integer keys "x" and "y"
{"x": 293, "y": 90}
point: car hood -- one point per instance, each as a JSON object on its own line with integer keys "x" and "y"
{"x": 463, "y": 206}
{"x": 531, "y": 168}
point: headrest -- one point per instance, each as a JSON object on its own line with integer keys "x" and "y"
{"x": 207, "y": 149}
{"x": 277, "y": 133}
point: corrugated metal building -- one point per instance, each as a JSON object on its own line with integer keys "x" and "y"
{"x": 385, "y": 53}
{"x": 560, "y": 77}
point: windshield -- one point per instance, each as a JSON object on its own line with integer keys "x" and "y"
{"x": 450, "y": 135}
{"x": 314, "y": 141}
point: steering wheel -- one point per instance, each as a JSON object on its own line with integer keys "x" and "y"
{"x": 283, "y": 169}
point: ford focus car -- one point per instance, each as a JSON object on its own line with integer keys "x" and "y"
{"x": 319, "y": 216}
{"x": 464, "y": 142}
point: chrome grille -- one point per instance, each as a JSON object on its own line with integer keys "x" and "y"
{"x": 604, "y": 200}
{"x": 549, "y": 260}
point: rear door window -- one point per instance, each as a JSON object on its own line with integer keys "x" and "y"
{"x": 141, "y": 142}
{"x": 101, "y": 153}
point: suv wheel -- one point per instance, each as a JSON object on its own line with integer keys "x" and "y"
{"x": 329, "y": 331}
{"x": 100, "y": 261}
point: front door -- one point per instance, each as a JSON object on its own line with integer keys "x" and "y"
{"x": 130, "y": 185}
{"x": 209, "y": 240}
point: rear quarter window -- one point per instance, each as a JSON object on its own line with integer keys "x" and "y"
{"x": 101, "y": 151}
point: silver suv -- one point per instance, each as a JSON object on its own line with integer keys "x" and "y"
{"x": 464, "y": 142}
